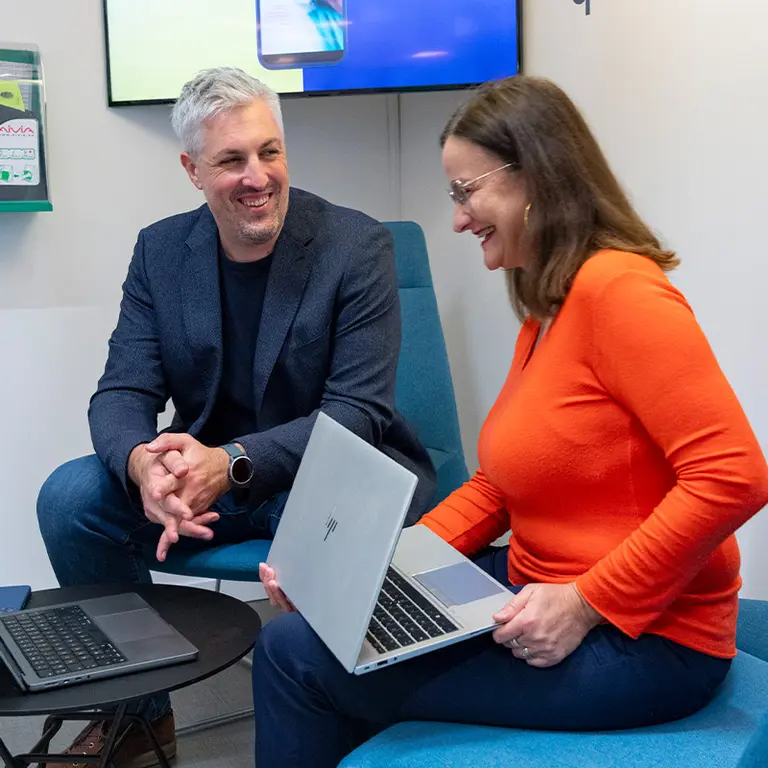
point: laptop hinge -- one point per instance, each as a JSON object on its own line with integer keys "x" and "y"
{"x": 13, "y": 667}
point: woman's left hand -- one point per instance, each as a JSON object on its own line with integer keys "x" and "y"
{"x": 544, "y": 623}
{"x": 277, "y": 598}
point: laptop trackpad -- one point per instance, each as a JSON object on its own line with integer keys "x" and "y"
{"x": 458, "y": 584}
{"x": 125, "y": 627}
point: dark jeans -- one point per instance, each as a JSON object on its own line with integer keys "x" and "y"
{"x": 94, "y": 534}
{"x": 310, "y": 711}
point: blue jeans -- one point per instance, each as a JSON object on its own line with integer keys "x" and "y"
{"x": 310, "y": 711}
{"x": 94, "y": 534}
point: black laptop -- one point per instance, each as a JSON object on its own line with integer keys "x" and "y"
{"x": 86, "y": 640}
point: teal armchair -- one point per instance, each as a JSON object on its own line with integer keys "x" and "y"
{"x": 424, "y": 395}
{"x": 731, "y": 732}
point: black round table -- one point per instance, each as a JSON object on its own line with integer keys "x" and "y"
{"x": 221, "y": 627}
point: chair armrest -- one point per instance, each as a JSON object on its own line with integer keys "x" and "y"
{"x": 752, "y": 629}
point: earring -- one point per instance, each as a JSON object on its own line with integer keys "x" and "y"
{"x": 525, "y": 215}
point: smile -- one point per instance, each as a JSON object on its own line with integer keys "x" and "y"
{"x": 485, "y": 234}
{"x": 255, "y": 202}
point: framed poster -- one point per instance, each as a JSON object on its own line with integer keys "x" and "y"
{"x": 23, "y": 169}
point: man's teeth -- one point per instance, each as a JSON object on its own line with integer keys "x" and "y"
{"x": 256, "y": 203}
{"x": 485, "y": 232}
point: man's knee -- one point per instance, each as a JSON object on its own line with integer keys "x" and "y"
{"x": 73, "y": 493}
{"x": 288, "y": 643}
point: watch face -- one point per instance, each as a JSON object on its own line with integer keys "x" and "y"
{"x": 241, "y": 470}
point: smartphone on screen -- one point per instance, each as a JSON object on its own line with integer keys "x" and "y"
{"x": 298, "y": 33}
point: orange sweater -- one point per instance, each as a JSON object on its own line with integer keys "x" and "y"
{"x": 618, "y": 455}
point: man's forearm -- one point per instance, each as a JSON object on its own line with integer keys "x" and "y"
{"x": 117, "y": 427}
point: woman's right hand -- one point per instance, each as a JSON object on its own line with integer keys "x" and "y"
{"x": 276, "y": 595}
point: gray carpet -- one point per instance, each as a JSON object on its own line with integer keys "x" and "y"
{"x": 229, "y": 745}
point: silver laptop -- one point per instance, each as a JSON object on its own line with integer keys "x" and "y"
{"x": 375, "y": 594}
{"x": 74, "y": 642}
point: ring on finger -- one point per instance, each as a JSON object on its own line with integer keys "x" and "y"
{"x": 514, "y": 643}
{"x": 526, "y": 654}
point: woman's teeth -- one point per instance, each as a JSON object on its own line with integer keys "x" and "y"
{"x": 486, "y": 233}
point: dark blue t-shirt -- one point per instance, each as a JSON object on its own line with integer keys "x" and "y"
{"x": 242, "y": 299}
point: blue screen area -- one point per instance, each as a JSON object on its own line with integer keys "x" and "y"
{"x": 421, "y": 43}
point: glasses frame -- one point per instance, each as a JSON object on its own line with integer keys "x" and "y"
{"x": 460, "y": 192}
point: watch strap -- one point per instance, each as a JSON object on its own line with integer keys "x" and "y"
{"x": 233, "y": 450}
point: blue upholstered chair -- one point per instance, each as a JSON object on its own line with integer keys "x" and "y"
{"x": 424, "y": 395}
{"x": 731, "y": 732}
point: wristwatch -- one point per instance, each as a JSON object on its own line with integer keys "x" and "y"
{"x": 240, "y": 469}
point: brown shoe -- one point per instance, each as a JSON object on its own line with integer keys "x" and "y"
{"x": 134, "y": 752}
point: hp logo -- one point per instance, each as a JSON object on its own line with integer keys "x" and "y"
{"x": 330, "y": 526}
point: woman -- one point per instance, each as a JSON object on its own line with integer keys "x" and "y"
{"x": 616, "y": 452}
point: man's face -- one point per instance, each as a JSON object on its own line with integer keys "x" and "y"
{"x": 243, "y": 172}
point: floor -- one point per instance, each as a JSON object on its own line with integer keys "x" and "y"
{"x": 229, "y": 745}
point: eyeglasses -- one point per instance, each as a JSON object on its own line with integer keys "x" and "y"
{"x": 459, "y": 191}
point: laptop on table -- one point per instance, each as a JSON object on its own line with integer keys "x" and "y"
{"x": 86, "y": 640}
{"x": 374, "y": 593}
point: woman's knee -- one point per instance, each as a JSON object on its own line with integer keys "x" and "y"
{"x": 72, "y": 494}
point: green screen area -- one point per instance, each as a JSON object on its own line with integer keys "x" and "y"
{"x": 155, "y": 47}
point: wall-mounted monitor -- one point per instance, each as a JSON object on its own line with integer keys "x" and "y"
{"x": 309, "y": 47}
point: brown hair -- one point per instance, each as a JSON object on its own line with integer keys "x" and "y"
{"x": 577, "y": 205}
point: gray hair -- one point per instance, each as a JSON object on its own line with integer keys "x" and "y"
{"x": 212, "y": 91}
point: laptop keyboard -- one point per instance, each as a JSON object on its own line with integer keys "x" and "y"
{"x": 403, "y": 616}
{"x": 61, "y": 640}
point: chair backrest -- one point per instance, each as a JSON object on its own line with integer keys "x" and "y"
{"x": 424, "y": 391}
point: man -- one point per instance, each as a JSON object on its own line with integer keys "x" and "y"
{"x": 251, "y": 313}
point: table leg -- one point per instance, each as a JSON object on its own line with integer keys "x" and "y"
{"x": 8, "y": 759}
{"x": 51, "y": 727}
{"x": 117, "y": 734}
{"x": 114, "y": 732}
{"x": 145, "y": 726}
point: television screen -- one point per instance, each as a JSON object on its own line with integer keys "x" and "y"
{"x": 309, "y": 46}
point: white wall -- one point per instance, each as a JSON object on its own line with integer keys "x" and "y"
{"x": 677, "y": 93}
{"x": 479, "y": 325}
{"x": 675, "y": 90}
{"x": 113, "y": 171}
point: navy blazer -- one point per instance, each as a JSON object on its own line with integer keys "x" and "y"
{"x": 329, "y": 339}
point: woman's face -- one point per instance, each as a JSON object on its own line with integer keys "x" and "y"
{"x": 495, "y": 208}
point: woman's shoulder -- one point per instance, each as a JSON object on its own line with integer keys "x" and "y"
{"x": 605, "y": 266}
{"x": 618, "y": 271}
